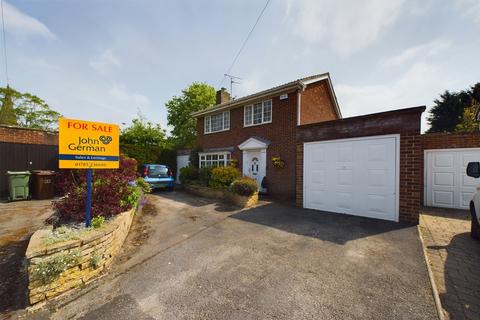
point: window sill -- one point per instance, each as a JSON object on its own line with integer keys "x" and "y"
{"x": 257, "y": 124}
{"x": 217, "y": 131}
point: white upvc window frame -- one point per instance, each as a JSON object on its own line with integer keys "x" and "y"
{"x": 214, "y": 159}
{"x": 264, "y": 105}
{"x": 207, "y": 122}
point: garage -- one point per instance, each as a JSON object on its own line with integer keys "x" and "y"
{"x": 446, "y": 183}
{"x": 358, "y": 176}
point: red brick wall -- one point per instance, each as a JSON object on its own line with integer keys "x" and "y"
{"x": 316, "y": 104}
{"x": 405, "y": 122}
{"x": 280, "y": 132}
{"x": 27, "y": 136}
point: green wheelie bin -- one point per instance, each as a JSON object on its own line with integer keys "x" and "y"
{"x": 18, "y": 185}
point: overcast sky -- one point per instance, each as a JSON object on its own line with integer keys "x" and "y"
{"x": 102, "y": 60}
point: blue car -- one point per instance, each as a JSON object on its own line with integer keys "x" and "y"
{"x": 158, "y": 176}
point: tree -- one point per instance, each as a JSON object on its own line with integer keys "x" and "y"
{"x": 469, "y": 123}
{"x": 143, "y": 140}
{"x": 196, "y": 97}
{"x": 448, "y": 110}
{"x": 29, "y": 111}
{"x": 7, "y": 111}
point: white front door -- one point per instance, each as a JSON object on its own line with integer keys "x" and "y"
{"x": 446, "y": 182}
{"x": 254, "y": 166}
{"x": 354, "y": 176}
{"x": 182, "y": 161}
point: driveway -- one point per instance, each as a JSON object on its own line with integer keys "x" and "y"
{"x": 191, "y": 258}
{"x": 18, "y": 221}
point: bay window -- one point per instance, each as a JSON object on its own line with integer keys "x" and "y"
{"x": 214, "y": 159}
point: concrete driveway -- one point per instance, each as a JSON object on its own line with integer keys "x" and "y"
{"x": 191, "y": 258}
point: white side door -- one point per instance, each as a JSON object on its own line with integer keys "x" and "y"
{"x": 446, "y": 182}
{"x": 182, "y": 161}
{"x": 354, "y": 176}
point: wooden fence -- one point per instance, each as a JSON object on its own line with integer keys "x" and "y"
{"x": 23, "y": 157}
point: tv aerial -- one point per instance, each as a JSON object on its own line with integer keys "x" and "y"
{"x": 233, "y": 80}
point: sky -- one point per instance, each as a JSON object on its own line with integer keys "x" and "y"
{"x": 105, "y": 60}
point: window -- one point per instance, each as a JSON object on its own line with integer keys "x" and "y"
{"x": 258, "y": 113}
{"x": 221, "y": 159}
{"x": 217, "y": 122}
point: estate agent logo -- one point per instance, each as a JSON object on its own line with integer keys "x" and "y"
{"x": 87, "y": 145}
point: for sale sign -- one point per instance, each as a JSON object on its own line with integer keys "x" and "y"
{"x": 87, "y": 145}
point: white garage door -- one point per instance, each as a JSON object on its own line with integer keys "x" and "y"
{"x": 446, "y": 183}
{"x": 182, "y": 161}
{"x": 353, "y": 176}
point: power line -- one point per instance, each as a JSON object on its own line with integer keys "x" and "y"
{"x": 244, "y": 42}
{"x": 4, "y": 42}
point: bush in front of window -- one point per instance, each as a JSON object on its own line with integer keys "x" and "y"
{"x": 188, "y": 174}
{"x": 244, "y": 186}
{"x": 205, "y": 175}
{"x": 222, "y": 177}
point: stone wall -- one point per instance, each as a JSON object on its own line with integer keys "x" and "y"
{"x": 235, "y": 199}
{"x": 95, "y": 249}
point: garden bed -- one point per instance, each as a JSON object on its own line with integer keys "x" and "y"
{"x": 56, "y": 267}
{"x": 235, "y": 199}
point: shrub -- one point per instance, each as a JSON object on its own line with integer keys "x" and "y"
{"x": 188, "y": 174}
{"x": 142, "y": 184}
{"x": 97, "y": 222}
{"x": 204, "y": 175}
{"x": 244, "y": 186}
{"x": 222, "y": 177}
{"x": 111, "y": 192}
{"x": 48, "y": 270}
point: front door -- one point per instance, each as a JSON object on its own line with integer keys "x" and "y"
{"x": 254, "y": 168}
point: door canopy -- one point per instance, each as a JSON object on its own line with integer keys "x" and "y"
{"x": 254, "y": 143}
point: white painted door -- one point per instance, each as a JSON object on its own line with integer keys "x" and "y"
{"x": 254, "y": 166}
{"x": 182, "y": 161}
{"x": 446, "y": 182}
{"x": 353, "y": 176}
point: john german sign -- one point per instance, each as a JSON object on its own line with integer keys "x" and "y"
{"x": 87, "y": 145}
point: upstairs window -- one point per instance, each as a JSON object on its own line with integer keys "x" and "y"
{"x": 217, "y": 122}
{"x": 221, "y": 159}
{"x": 258, "y": 113}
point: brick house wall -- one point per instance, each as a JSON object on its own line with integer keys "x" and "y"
{"x": 405, "y": 122}
{"x": 27, "y": 136}
{"x": 280, "y": 132}
{"x": 316, "y": 104}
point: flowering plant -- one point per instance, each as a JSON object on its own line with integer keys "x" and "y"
{"x": 278, "y": 162}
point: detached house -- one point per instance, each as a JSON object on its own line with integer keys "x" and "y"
{"x": 260, "y": 128}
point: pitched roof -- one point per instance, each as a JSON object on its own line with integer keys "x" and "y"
{"x": 299, "y": 84}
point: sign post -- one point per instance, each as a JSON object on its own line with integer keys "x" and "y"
{"x": 87, "y": 145}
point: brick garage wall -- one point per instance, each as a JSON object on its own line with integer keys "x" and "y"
{"x": 27, "y": 136}
{"x": 316, "y": 104}
{"x": 446, "y": 140}
{"x": 405, "y": 122}
{"x": 280, "y": 132}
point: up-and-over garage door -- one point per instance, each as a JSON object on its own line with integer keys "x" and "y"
{"x": 446, "y": 182}
{"x": 353, "y": 176}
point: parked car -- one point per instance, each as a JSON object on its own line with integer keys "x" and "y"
{"x": 473, "y": 170}
{"x": 158, "y": 176}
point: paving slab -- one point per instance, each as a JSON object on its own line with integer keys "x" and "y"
{"x": 454, "y": 258}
